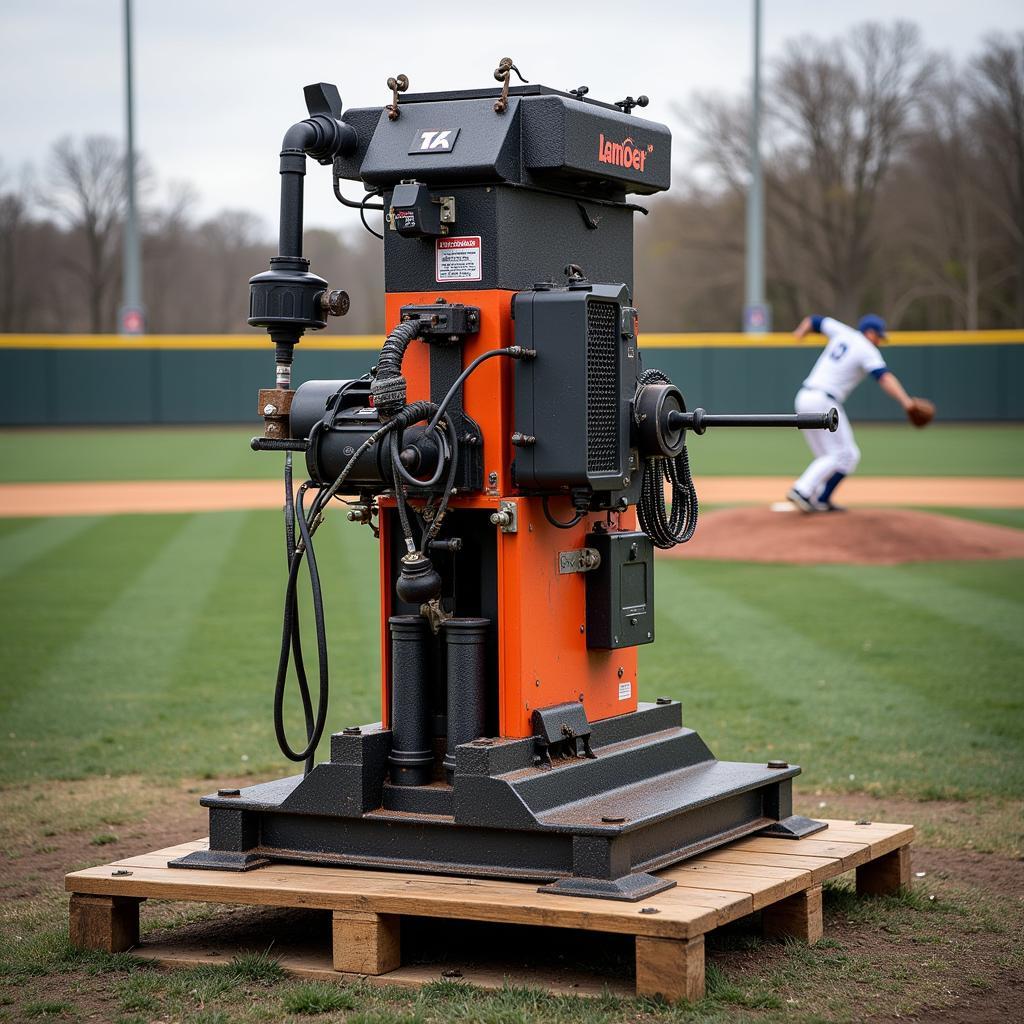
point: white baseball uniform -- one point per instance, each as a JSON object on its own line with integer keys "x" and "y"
{"x": 848, "y": 357}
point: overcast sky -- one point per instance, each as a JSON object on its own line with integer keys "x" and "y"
{"x": 217, "y": 82}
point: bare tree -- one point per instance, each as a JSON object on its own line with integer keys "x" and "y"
{"x": 997, "y": 93}
{"x": 839, "y": 115}
{"x": 13, "y": 218}
{"x": 86, "y": 191}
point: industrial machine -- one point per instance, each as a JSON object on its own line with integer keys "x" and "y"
{"x": 512, "y": 457}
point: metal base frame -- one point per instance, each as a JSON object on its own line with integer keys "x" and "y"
{"x": 652, "y": 795}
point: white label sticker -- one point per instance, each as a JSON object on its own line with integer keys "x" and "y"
{"x": 458, "y": 259}
{"x": 625, "y": 690}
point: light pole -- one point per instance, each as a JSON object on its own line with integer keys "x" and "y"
{"x": 133, "y": 316}
{"x": 756, "y": 313}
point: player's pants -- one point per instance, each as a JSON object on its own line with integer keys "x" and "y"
{"x": 833, "y": 452}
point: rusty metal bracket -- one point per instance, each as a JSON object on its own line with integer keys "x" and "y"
{"x": 275, "y": 406}
{"x": 397, "y": 84}
{"x": 578, "y": 560}
{"x": 507, "y": 517}
{"x": 502, "y": 73}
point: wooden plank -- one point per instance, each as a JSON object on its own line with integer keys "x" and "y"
{"x": 846, "y": 855}
{"x": 381, "y": 892}
{"x": 671, "y": 968}
{"x": 366, "y": 943}
{"x": 885, "y": 876}
{"x": 107, "y": 923}
{"x": 797, "y": 917}
{"x": 820, "y": 868}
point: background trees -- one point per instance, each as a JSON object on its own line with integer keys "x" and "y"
{"x": 894, "y": 182}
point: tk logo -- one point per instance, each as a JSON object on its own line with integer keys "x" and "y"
{"x": 440, "y": 140}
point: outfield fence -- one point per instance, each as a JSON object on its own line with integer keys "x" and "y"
{"x": 69, "y": 379}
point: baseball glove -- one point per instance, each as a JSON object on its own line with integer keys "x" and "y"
{"x": 921, "y": 412}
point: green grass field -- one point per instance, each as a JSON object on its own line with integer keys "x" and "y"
{"x": 144, "y": 648}
{"x": 211, "y": 453}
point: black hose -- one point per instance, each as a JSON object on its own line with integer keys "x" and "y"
{"x": 556, "y": 522}
{"x": 667, "y": 529}
{"x": 389, "y": 386}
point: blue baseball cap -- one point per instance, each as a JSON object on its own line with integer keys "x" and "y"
{"x": 872, "y": 322}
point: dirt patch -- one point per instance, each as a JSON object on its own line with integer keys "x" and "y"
{"x": 104, "y": 498}
{"x": 856, "y": 537}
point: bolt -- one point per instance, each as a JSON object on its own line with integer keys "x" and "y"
{"x": 863, "y": 821}
{"x": 633, "y": 620}
{"x": 583, "y": 629}
{"x": 269, "y": 410}
{"x": 622, "y": 672}
{"x": 228, "y": 792}
{"x": 778, "y": 764}
{"x": 501, "y": 518}
{"x": 536, "y": 682}
{"x": 492, "y": 479}
{"x": 120, "y": 872}
{"x": 352, "y": 730}
{"x": 649, "y": 910}
{"x": 610, "y": 819}
{"x": 663, "y": 700}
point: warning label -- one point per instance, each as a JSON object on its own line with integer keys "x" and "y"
{"x": 458, "y": 259}
{"x": 625, "y": 690}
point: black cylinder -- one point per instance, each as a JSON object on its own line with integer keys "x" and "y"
{"x": 466, "y": 649}
{"x": 411, "y": 757}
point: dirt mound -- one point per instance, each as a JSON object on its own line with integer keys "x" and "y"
{"x": 858, "y": 537}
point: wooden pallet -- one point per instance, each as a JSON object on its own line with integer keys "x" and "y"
{"x": 781, "y": 878}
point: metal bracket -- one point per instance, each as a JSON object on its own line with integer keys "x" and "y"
{"x": 507, "y": 517}
{"x": 578, "y": 560}
{"x": 447, "y": 204}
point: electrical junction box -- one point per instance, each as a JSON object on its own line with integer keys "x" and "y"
{"x": 573, "y": 398}
{"x": 620, "y": 591}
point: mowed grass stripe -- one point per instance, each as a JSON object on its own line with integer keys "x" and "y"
{"x": 97, "y": 691}
{"x": 898, "y": 714}
{"x": 229, "y": 667}
{"x": 990, "y": 614}
{"x": 22, "y": 541}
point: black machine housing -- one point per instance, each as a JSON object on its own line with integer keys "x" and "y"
{"x": 588, "y": 808}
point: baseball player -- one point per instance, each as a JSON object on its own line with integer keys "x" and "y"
{"x": 848, "y": 357}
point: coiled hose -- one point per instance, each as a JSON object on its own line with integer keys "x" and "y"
{"x": 667, "y": 528}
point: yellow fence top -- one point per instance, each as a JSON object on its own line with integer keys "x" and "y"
{"x": 356, "y": 342}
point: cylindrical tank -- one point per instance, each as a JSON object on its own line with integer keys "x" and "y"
{"x": 411, "y": 757}
{"x": 466, "y": 649}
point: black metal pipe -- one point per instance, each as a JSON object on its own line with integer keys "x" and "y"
{"x": 411, "y": 758}
{"x": 297, "y": 140}
{"x": 466, "y": 649}
{"x": 698, "y": 421}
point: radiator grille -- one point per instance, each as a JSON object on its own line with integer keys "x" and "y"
{"x": 602, "y": 387}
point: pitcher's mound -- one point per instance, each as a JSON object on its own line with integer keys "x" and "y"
{"x": 862, "y": 536}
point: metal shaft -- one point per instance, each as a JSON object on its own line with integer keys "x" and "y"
{"x": 755, "y": 192}
{"x": 466, "y": 648}
{"x": 411, "y": 757}
{"x": 698, "y": 421}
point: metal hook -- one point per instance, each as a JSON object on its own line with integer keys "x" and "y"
{"x": 397, "y": 84}
{"x": 503, "y": 73}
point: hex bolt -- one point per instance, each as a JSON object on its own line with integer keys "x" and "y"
{"x": 649, "y": 910}
{"x": 621, "y": 672}
{"x": 611, "y": 819}
{"x": 228, "y": 792}
{"x": 269, "y": 410}
{"x": 352, "y": 730}
{"x": 778, "y": 764}
{"x": 120, "y": 872}
{"x": 492, "y": 479}
{"x": 501, "y": 518}
{"x": 663, "y": 700}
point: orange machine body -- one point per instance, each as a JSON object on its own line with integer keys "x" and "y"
{"x": 543, "y": 657}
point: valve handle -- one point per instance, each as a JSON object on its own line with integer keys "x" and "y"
{"x": 323, "y": 98}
